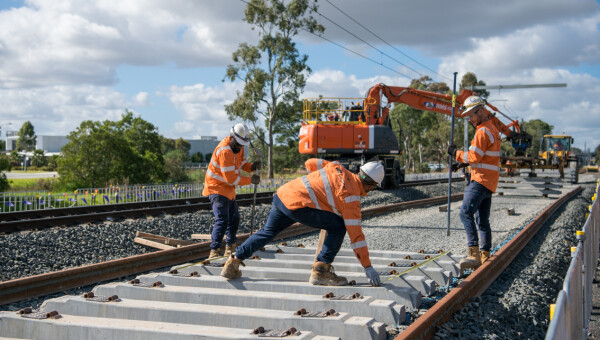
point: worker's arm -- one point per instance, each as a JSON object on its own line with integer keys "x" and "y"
{"x": 478, "y": 147}
{"x": 226, "y": 162}
{"x": 352, "y": 220}
{"x": 246, "y": 166}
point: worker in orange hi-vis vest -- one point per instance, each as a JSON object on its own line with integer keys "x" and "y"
{"x": 329, "y": 199}
{"x": 222, "y": 176}
{"x": 484, "y": 159}
{"x": 314, "y": 164}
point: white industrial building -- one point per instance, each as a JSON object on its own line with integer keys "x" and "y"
{"x": 50, "y": 144}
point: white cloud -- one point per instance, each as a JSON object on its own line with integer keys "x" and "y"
{"x": 142, "y": 99}
{"x": 56, "y": 110}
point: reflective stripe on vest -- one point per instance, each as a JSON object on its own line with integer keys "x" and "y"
{"x": 221, "y": 149}
{"x": 311, "y": 192}
{"x": 486, "y": 166}
{"x": 352, "y": 199}
{"x": 489, "y": 134}
{"x": 493, "y": 153}
{"x": 219, "y": 178}
{"x": 476, "y": 149}
{"x": 352, "y": 222}
{"x": 328, "y": 192}
{"x": 319, "y": 163}
{"x": 225, "y": 169}
{"x": 358, "y": 244}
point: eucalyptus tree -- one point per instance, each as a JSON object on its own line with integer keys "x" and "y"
{"x": 27, "y": 139}
{"x": 273, "y": 71}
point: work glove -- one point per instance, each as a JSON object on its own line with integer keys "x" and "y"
{"x": 456, "y": 166}
{"x": 255, "y": 179}
{"x": 452, "y": 150}
{"x": 373, "y": 276}
{"x": 256, "y": 166}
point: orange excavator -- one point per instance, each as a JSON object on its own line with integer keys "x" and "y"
{"x": 361, "y": 132}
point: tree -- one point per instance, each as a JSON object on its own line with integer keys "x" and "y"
{"x": 470, "y": 79}
{"x": 104, "y": 153}
{"x": 38, "y": 158}
{"x": 27, "y": 138}
{"x": 273, "y": 72}
{"x": 537, "y": 129}
{"x": 197, "y": 157}
{"x": 174, "y": 167}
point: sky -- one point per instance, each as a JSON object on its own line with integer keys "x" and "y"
{"x": 66, "y": 61}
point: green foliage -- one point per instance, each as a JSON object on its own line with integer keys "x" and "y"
{"x": 537, "y": 129}
{"x": 287, "y": 161}
{"x": 27, "y": 138}
{"x": 5, "y": 164}
{"x": 15, "y": 158}
{"x": 197, "y": 157}
{"x": 273, "y": 71}
{"x": 38, "y": 159}
{"x": 4, "y": 184}
{"x": 104, "y": 153}
{"x": 174, "y": 166}
{"x": 470, "y": 79}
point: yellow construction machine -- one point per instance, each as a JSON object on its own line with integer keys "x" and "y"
{"x": 555, "y": 151}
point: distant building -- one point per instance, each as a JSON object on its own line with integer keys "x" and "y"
{"x": 204, "y": 145}
{"x": 50, "y": 144}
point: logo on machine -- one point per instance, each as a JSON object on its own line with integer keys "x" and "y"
{"x": 429, "y": 105}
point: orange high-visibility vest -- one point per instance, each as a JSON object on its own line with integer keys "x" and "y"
{"x": 484, "y": 155}
{"x": 314, "y": 164}
{"x": 223, "y": 172}
{"x": 333, "y": 189}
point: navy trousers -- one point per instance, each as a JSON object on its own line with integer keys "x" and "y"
{"x": 475, "y": 211}
{"x": 281, "y": 218}
{"x": 227, "y": 220}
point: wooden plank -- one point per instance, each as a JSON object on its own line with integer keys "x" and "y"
{"x": 322, "y": 236}
{"x": 152, "y": 244}
{"x": 163, "y": 239}
{"x": 201, "y": 237}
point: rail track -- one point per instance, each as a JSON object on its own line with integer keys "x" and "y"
{"x": 272, "y": 299}
{"x": 39, "y": 219}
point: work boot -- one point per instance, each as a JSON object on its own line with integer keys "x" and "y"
{"x": 230, "y": 248}
{"x": 214, "y": 253}
{"x": 323, "y": 275}
{"x": 485, "y": 255}
{"x": 231, "y": 270}
{"x": 472, "y": 261}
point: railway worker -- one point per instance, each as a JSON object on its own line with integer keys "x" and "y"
{"x": 222, "y": 176}
{"x": 483, "y": 158}
{"x": 327, "y": 199}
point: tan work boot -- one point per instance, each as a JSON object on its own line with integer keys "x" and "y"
{"x": 323, "y": 275}
{"x": 485, "y": 255}
{"x": 230, "y": 248}
{"x": 472, "y": 261}
{"x": 214, "y": 253}
{"x": 231, "y": 270}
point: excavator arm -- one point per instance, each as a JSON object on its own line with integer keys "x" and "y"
{"x": 435, "y": 102}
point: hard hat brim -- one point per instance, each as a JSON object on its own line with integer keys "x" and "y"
{"x": 240, "y": 140}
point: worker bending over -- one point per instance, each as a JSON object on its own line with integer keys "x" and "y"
{"x": 484, "y": 159}
{"x": 327, "y": 198}
{"x": 222, "y": 176}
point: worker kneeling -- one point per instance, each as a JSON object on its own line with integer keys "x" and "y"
{"x": 327, "y": 198}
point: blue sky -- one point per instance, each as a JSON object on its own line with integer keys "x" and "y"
{"x": 65, "y": 61}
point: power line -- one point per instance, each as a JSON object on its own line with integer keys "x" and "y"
{"x": 349, "y": 50}
{"x": 375, "y": 48}
{"x": 358, "y": 54}
{"x": 378, "y": 37}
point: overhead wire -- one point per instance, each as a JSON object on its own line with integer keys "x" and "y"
{"x": 387, "y": 43}
{"x": 366, "y": 42}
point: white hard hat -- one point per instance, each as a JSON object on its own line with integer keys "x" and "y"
{"x": 471, "y": 103}
{"x": 374, "y": 171}
{"x": 240, "y": 132}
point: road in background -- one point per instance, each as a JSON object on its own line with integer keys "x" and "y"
{"x": 18, "y": 175}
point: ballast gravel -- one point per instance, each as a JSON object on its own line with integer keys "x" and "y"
{"x": 516, "y": 306}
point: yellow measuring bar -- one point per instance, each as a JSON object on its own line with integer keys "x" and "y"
{"x": 417, "y": 266}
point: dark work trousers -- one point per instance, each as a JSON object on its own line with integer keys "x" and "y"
{"x": 475, "y": 211}
{"x": 281, "y": 218}
{"x": 227, "y": 220}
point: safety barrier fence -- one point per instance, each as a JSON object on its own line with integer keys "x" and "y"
{"x": 40, "y": 200}
{"x": 571, "y": 313}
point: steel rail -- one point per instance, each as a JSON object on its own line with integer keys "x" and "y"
{"x": 43, "y": 284}
{"x": 477, "y": 282}
{"x": 40, "y": 219}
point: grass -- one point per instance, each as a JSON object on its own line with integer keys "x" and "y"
{"x": 31, "y": 184}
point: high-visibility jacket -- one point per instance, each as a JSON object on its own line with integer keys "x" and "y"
{"x": 314, "y": 164}
{"x": 484, "y": 155}
{"x": 333, "y": 189}
{"x": 223, "y": 172}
